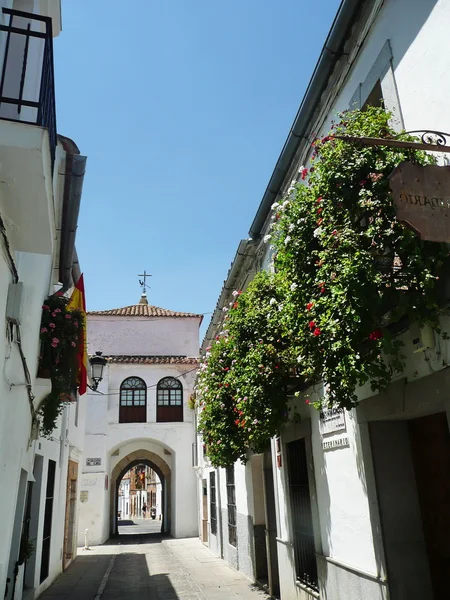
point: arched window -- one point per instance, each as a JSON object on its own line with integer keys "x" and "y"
{"x": 133, "y": 401}
{"x": 169, "y": 400}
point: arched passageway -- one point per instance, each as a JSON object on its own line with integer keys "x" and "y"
{"x": 161, "y": 468}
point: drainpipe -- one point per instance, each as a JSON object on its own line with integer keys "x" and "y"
{"x": 73, "y": 186}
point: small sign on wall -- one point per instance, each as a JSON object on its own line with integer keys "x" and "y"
{"x": 93, "y": 462}
{"x": 332, "y": 420}
{"x": 334, "y": 443}
{"x": 84, "y": 496}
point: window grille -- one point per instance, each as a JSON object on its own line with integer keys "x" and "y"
{"x": 231, "y": 503}
{"x": 212, "y": 503}
{"x": 302, "y": 524}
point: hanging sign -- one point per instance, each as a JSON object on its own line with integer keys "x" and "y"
{"x": 422, "y": 197}
{"x": 331, "y": 420}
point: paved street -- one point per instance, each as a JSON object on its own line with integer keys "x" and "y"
{"x": 151, "y": 568}
{"x": 137, "y": 526}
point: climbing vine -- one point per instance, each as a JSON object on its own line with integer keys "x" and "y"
{"x": 345, "y": 272}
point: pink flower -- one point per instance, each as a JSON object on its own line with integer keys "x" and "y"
{"x": 57, "y": 310}
{"x": 45, "y": 307}
{"x": 55, "y": 342}
{"x": 304, "y": 173}
{"x": 44, "y": 330}
{"x": 68, "y": 316}
{"x": 307, "y": 401}
{"x": 53, "y": 314}
{"x": 334, "y": 232}
{"x": 52, "y": 325}
{"x": 73, "y": 344}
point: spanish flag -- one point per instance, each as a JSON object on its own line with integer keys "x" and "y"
{"x": 78, "y": 302}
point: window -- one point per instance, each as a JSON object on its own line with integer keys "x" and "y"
{"x": 133, "y": 401}
{"x": 302, "y": 525}
{"x": 169, "y": 396}
{"x": 170, "y": 392}
{"x": 231, "y": 505}
{"x": 212, "y": 503}
{"x": 48, "y": 517}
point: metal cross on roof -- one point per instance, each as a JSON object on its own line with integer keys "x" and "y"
{"x": 143, "y": 282}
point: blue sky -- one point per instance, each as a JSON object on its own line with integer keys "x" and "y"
{"x": 182, "y": 108}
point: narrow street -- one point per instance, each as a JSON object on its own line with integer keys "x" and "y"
{"x": 150, "y": 567}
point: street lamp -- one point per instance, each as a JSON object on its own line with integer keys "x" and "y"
{"x": 97, "y": 365}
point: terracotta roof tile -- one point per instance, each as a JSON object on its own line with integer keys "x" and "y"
{"x": 152, "y": 360}
{"x": 142, "y": 310}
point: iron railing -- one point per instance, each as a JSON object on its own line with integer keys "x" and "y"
{"x": 27, "y": 56}
{"x": 302, "y": 524}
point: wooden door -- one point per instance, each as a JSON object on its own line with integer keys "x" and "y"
{"x": 71, "y": 503}
{"x": 430, "y": 449}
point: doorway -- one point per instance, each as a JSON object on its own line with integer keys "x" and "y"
{"x": 71, "y": 503}
{"x": 270, "y": 526}
{"x": 412, "y": 473}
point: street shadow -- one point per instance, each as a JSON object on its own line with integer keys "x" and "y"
{"x": 125, "y": 522}
{"x": 137, "y": 538}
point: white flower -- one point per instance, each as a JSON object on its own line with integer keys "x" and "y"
{"x": 267, "y": 238}
{"x": 287, "y": 239}
{"x": 302, "y": 220}
{"x": 275, "y": 205}
{"x": 235, "y": 293}
{"x": 291, "y": 227}
{"x": 294, "y": 286}
{"x": 317, "y": 232}
{"x": 300, "y": 169}
{"x": 224, "y": 309}
{"x": 272, "y": 301}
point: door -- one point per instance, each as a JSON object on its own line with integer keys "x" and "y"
{"x": 71, "y": 502}
{"x": 430, "y": 449}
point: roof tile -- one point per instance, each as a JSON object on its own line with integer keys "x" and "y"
{"x": 142, "y": 310}
{"x": 152, "y": 360}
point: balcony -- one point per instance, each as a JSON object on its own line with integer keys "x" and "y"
{"x": 27, "y": 85}
{"x": 27, "y": 130}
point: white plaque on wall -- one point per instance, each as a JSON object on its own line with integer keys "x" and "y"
{"x": 93, "y": 462}
{"x": 332, "y": 420}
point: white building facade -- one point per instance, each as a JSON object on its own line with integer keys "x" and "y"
{"x": 40, "y": 191}
{"x": 140, "y": 415}
{"x": 375, "y": 521}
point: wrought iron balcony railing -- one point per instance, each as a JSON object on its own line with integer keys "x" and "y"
{"x": 27, "y": 83}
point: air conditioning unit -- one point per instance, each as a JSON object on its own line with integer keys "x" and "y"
{"x": 14, "y": 303}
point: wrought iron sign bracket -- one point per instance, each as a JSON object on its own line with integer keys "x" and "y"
{"x": 432, "y": 141}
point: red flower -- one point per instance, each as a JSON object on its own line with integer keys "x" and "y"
{"x": 309, "y": 305}
{"x": 312, "y": 324}
{"x": 376, "y": 335}
{"x": 304, "y": 173}
{"x": 227, "y": 385}
{"x": 319, "y": 200}
{"x": 322, "y": 289}
{"x": 307, "y": 401}
{"x": 237, "y": 422}
{"x": 334, "y": 232}
{"x": 277, "y": 366}
{"x": 319, "y": 222}
{"x": 235, "y": 305}
{"x": 363, "y": 182}
{"x": 319, "y": 210}
{"x": 317, "y": 331}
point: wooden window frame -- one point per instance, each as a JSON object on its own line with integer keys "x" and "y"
{"x": 133, "y": 401}
{"x": 169, "y": 400}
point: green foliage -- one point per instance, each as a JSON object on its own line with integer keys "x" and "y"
{"x": 60, "y": 344}
{"x": 345, "y": 270}
{"x": 242, "y": 379}
{"x": 351, "y": 263}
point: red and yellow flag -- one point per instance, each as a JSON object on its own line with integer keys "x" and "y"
{"x": 78, "y": 302}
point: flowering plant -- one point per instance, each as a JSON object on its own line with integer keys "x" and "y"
{"x": 354, "y": 269}
{"x": 60, "y": 344}
{"x": 241, "y": 381}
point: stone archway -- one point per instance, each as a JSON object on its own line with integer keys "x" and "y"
{"x": 163, "y": 470}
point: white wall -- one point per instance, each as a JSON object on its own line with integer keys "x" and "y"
{"x": 143, "y": 336}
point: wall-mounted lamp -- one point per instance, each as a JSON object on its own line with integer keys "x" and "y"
{"x": 97, "y": 365}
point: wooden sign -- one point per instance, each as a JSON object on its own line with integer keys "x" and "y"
{"x": 422, "y": 197}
